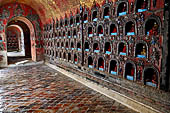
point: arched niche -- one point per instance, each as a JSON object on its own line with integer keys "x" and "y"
{"x": 79, "y": 46}
{"x": 101, "y": 64}
{"x": 100, "y": 30}
{"x": 60, "y": 34}
{"x": 62, "y": 44}
{"x": 64, "y": 55}
{"x": 53, "y": 35}
{"x": 57, "y": 25}
{"x": 71, "y": 21}
{"x": 56, "y": 35}
{"x": 152, "y": 27}
{"x": 122, "y": 49}
{"x": 122, "y": 9}
{"x": 150, "y": 76}
{"x": 75, "y": 59}
{"x": 58, "y": 44}
{"x": 90, "y": 62}
{"x": 142, "y": 5}
{"x": 56, "y": 54}
{"x": 113, "y": 67}
{"x": 69, "y": 34}
{"x": 61, "y": 23}
{"x": 113, "y": 29}
{"x": 86, "y": 45}
{"x": 69, "y": 57}
{"x": 60, "y": 55}
{"x": 96, "y": 48}
{"x": 74, "y": 33}
{"x": 94, "y": 15}
{"x": 67, "y": 45}
{"x": 66, "y": 22}
{"x": 49, "y": 52}
{"x": 64, "y": 34}
{"x": 130, "y": 28}
{"x": 90, "y": 31}
{"x": 85, "y": 17}
{"x": 78, "y": 19}
{"x": 108, "y": 48}
{"x": 72, "y": 45}
{"x": 130, "y": 71}
{"x": 106, "y": 12}
{"x": 141, "y": 50}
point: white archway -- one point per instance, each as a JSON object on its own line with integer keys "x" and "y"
{"x": 21, "y": 44}
{"x": 32, "y": 34}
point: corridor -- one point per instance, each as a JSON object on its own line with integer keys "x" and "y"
{"x": 40, "y": 89}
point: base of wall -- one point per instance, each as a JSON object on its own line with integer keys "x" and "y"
{"x": 3, "y": 59}
{"x": 133, "y": 104}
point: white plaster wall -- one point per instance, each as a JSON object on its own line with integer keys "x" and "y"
{"x": 21, "y": 44}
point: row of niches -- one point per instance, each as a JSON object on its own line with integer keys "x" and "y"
{"x": 130, "y": 29}
{"x": 73, "y": 21}
{"x": 63, "y": 34}
{"x": 108, "y": 10}
{"x": 121, "y": 9}
{"x": 152, "y": 27}
{"x": 141, "y": 48}
{"x": 149, "y": 75}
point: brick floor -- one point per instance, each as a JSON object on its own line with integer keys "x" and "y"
{"x": 40, "y": 89}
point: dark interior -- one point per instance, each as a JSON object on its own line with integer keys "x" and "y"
{"x": 113, "y": 66}
{"x": 90, "y": 60}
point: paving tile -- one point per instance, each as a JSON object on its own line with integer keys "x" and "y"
{"x": 40, "y": 89}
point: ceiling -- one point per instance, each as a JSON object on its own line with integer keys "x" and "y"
{"x": 48, "y": 9}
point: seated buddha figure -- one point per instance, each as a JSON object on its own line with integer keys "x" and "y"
{"x": 143, "y": 52}
{"x": 79, "y": 47}
{"x": 124, "y": 49}
{"x": 101, "y": 31}
{"x": 115, "y": 69}
{"x": 102, "y": 64}
{"x": 90, "y": 31}
{"x": 144, "y": 4}
{"x": 132, "y": 72}
{"x": 109, "y": 49}
{"x": 123, "y": 8}
{"x": 154, "y": 29}
{"x": 132, "y": 29}
{"x": 97, "y": 48}
{"x": 114, "y": 30}
{"x": 154, "y": 79}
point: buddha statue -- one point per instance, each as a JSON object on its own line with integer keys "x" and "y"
{"x": 143, "y": 52}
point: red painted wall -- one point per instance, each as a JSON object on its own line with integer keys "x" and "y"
{"x": 9, "y": 11}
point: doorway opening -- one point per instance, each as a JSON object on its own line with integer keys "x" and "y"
{"x": 18, "y": 35}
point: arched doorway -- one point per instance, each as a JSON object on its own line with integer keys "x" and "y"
{"x": 27, "y": 41}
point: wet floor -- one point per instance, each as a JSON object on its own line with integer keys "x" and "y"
{"x": 40, "y": 89}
